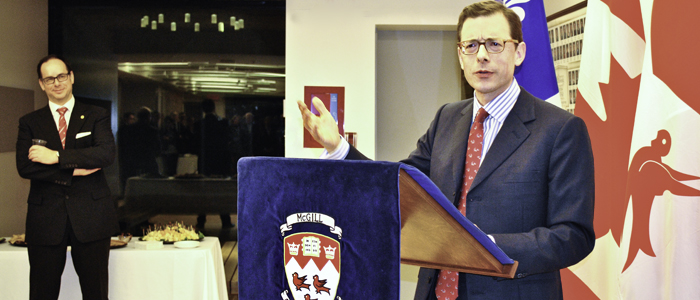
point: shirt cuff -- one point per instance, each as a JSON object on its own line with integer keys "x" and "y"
{"x": 339, "y": 153}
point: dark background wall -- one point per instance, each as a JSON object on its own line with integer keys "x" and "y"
{"x": 95, "y": 35}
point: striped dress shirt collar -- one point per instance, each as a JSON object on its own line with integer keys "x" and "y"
{"x": 498, "y": 110}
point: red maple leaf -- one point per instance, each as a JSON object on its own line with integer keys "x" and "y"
{"x": 574, "y": 287}
{"x": 611, "y": 141}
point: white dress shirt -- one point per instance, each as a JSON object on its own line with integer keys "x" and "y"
{"x": 54, "y": 111}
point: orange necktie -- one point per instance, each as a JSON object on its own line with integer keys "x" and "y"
{"x": 62, "y": 127}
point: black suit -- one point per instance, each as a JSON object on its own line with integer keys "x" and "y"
{"x": 64, "y": 209}
{"x": 534, "y": 193}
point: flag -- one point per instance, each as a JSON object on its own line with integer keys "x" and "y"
{"x": 536, "y": 74}
{"x": 636, "y": 94}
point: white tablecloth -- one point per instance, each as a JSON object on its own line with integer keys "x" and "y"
{"x": 169, "y": 273}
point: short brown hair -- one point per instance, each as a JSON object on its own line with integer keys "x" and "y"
{"x": 50, "y": 57}
{"x": 488, "y": 8}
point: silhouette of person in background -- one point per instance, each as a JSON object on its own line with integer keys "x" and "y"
{"x": 155, "y": 119}
{"x": 139, "y": 146}
{"x": 270, "y": 143}
{"x": 168, "y": 135}
{"x": 185, "y": 136}
{"x": 214, "y": 157}
{"x": 247, "y": 131}
{"x": 235, "y": 145}
{"x": 649, "y": 177}
{"x": 213, "y": 136}
{"x": 128, "y": 118}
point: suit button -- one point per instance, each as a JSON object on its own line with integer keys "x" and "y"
{"x": 67, "y": 197}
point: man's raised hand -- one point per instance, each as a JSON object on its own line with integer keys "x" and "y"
{"x": 323, "y": 127}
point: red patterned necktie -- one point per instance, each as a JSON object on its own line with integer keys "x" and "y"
{"x": 446, "y": 288}
{"x": 62, "y": 126}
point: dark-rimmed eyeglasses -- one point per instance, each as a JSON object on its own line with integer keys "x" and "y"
{"x": 491, "y": 45}
{"x": 51, "y": 80}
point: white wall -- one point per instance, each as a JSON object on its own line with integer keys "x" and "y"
{"x": 417, "y": 72}
{"x": 332, "y": 43}
{"x": 23, "y": 41}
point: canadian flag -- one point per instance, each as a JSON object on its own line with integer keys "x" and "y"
{"x": 638, "y": 93}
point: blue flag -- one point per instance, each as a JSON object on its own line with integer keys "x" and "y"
{"x": 536, "y": 74}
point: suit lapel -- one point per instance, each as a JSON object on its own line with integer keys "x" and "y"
{"x": 77, "y": 119}
{"x": 509, "y": 138}
{"x": 47, "y": 126}
{"x": 459, "y": 146}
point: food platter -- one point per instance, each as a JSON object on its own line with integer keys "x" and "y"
{"x": 116, "y": 244}
{"x": 18, "y": 240}
{"x": 120, "y": 241}
{"x": 173, "y": 242}
{"x": 113, "y": 244}
{"x": 171, "y": 233}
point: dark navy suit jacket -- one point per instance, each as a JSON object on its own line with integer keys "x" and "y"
{"x": 534, "y": 193}
{"x": 55, "y": 194}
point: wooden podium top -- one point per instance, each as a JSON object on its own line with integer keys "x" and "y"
{"x": 431, "y": 237}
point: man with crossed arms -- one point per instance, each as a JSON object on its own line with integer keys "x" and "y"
{"x": 69, "y": 200}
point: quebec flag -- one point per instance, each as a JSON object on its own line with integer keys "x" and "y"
{"x": 536, "y": 74}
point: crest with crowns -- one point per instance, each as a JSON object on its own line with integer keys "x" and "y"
{"x": 330, "y": 252}
{"x": 293, "y": 249}
{"x": 311, "y": 259}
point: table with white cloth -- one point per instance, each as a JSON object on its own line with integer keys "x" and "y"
{"x": 167, "y": 273}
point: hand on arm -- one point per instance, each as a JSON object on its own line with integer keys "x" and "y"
{"x": 43, "y": 155}
{"x": 84, "y": 172}
{"x": 37, "y": 162}
{"x": 47, "y": 156}
{"x": 322, "y": 127}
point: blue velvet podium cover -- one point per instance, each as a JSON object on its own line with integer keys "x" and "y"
{"x": 316, "y": 229}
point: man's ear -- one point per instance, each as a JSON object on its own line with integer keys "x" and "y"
{"x": 41, "y": 84}
{"x": 72, "y": 79}
{"x": 459, "y": 58}
{"x": 520, "y": 53}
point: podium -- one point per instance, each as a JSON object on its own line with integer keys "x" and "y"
{"x": 318, "y": 229}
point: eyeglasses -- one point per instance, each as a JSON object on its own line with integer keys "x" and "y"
{"x": 491, "y": 45}
{"x": 51, "y": 80}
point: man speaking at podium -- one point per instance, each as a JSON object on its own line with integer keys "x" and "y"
{"x": 519, "y": 168}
